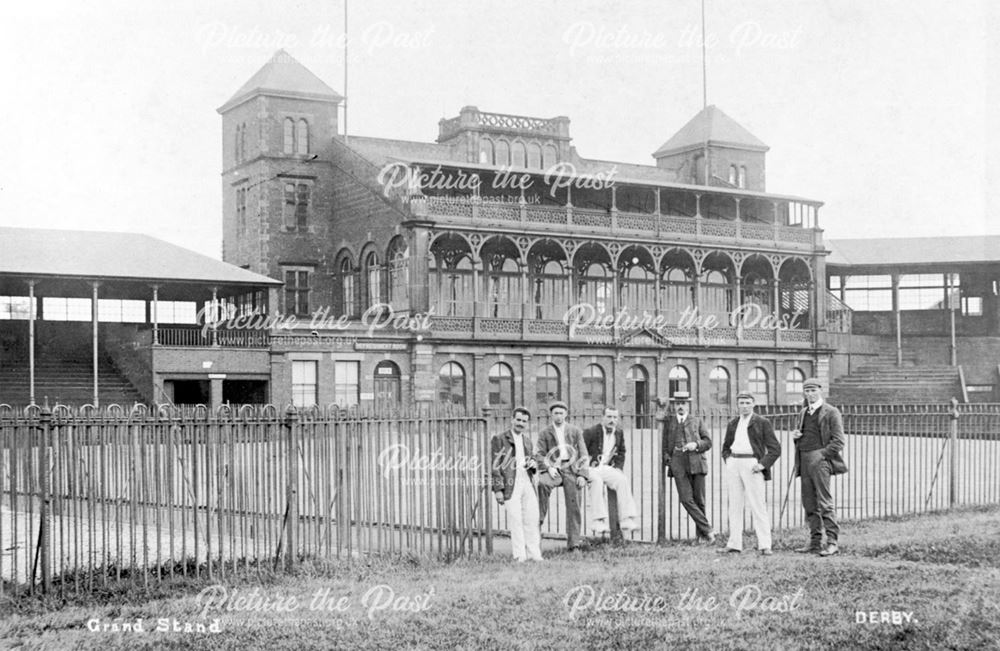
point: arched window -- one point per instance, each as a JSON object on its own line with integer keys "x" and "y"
{"x": 373, "y": 278}
{"x": 347, "y": 287}
{"x": 733, "y": 180}
{"x": 718, "y": 381}
{"x": 594, "y": 287}
{"x": 502, "y": 154}
{"x": 451, "y": 385}
{"x": 503, "y": 280}
{"x": 679, "y": 379}
{"x": 547, "y": 385}
{"x": 716, "y": 294}
{"x": 793, "y": 385}
{"x": 450, "y": 277}
{"x": 757, "y": 383}
{"x": 399, "y": 275}
{"x": 757, "y": 290}
{"x": 534, "y": 156}
{"x": 549, "y": 156}
{"x": 289, "y": 136}
{"x": 501, "y": 379}
{"x": 517, "y": 154}
{"x": 677, "y": 286}
{"x": 638, "y": 284}
{"x": 549, "y": 288}
{"x": 302, "y": 138}
{"x": 594, "y": 394}
{"x": 486, "y": 151}
{"x": 742, "y": 180}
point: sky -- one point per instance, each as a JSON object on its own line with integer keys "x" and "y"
{"x": 886, "y": 111}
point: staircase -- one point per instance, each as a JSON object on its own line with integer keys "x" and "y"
{"x": 883, "y": 382}
{"x": 66, "y": 382}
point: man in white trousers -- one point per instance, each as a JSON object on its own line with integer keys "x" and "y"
{"x": 606, "y": 446}
{"x": 748, "y": 451}
{"x": 513, "y": 465}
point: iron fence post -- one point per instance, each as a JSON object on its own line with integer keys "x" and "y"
{"x": 953, "y": 493}
{"x": 45, "y": 427}
{"x": 292, "y": 484}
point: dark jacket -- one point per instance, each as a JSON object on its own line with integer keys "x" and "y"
{"x": 502, "y": 470}
{"x": 831, "y": 433}
{"x": 593, "y": 438}
{"x": 763, "y": 442}
{"x": 674, "y": 436}
{"x": 548, "y": 450}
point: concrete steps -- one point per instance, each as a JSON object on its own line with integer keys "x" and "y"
{"x": 65, "y": 382}
{"x": 884, "y": 382}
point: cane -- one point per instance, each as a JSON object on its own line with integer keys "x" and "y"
{"x": 788, "y": 491}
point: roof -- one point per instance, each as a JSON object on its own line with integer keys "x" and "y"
{"x": 283, "y": 75}
{"x": 384, "y": 150}
{"x": 94, "y": 254}
{"x": 717, "y": 127}
{"x": 895, "y": 251}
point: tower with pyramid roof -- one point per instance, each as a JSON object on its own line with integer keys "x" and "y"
{"x": 736, "y": 156}
{"x": 276, "y": 153}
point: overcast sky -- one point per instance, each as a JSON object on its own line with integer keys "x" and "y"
{"x": 886, "y": 111}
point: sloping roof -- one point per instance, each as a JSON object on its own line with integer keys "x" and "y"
{"x": 890, "y": 251}
{"x": 283, "y": 75}
{"x": 94, "y": 254}
{"x": 720, "y": 128}
{"x": 382, "y": 150}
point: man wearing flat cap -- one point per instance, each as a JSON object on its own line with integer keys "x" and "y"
{"x": 685, "y": 442}
{"x": 564, "y": 463}
{"x": 819, "y": 443}
{"x": 749, "y": 450}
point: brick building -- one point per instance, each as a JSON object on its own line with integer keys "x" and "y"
{"x": 477, "y": 245}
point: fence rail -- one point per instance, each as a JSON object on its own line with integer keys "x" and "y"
{"x": 91, "y": 496}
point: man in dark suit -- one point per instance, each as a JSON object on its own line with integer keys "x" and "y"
{"x": 606, "y": 447}
{"x": 749, "y": 450}
{"x": 685, "y": 441}
{"x": 564, "y": 463}
{"x": 819, "y": 442}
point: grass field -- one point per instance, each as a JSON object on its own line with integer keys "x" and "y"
{"x": 940, "y": 574}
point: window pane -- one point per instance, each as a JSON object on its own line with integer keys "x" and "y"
{"x": 346, "y": 386}
{"x": 304, "y": 388}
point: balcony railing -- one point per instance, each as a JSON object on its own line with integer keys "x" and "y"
{"x": 490, "y": 214}
{"x": 557, "y": 330}
{"x": 196, "y": 338}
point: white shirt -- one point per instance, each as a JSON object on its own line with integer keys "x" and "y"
{"x": 560, "y": 432}
{"x": 519, "y": 469}
{"x": 609, "y": 447}
{"x": 741, "y": 442}
{"x": 814, "y": 406}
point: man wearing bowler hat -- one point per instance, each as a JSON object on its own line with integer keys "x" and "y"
{"x": 564, "y": 463}
{"x": 685, "y": 442}
{"x": 819, "y": 442}
{"x": 749, "y": 450}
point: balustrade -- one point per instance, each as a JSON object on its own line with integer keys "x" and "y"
{"x": 663, "y": 225}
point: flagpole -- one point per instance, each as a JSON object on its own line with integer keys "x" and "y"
{"x": 704, "y": 93}
{"x": 345, "y": 72}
